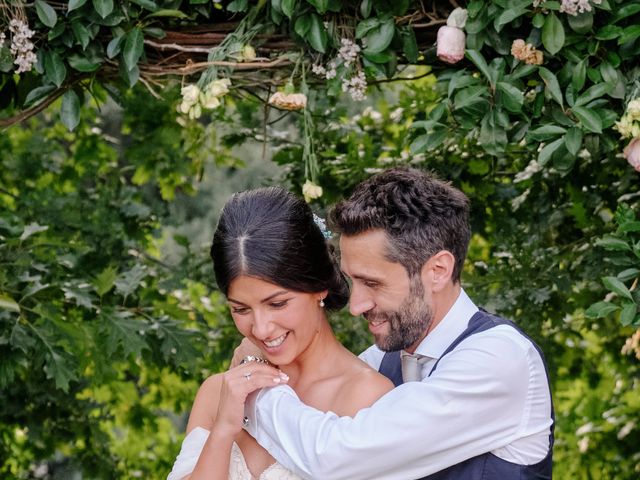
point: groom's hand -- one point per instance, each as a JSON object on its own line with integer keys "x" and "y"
{"x": 245, "y": 349}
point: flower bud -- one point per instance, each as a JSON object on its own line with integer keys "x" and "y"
{"x": 451, "y": 43}
{"x": 288, "y": 101}
{"x": 632, "y": 153}
{"x": 311, "y": 191}
{"x": 248, "y": 53}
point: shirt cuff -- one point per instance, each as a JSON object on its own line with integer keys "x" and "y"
{"x": 264, "y": 398}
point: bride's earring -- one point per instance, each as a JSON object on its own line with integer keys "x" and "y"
{"x": 321, "y": 303}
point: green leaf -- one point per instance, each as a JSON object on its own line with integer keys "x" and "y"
{"x": 609, "y": 242}
{"x": 123, "y": 331}
{"x": 553, "y": 34}
{"x": 320, "y": 5}
{"x": 513, "y": 98}
{"x": 303, "y": 25}
{"x": 115, "y": 46}
{"x": 103, "y": 7}
{"x": 410, "y": 45}
{"x": 32, "y": 229}
{"x": 46, "y": 13}
{"x": 617, "y": 287}
{"x": 573, "y": 140}
{"x": 288, "y": 7}
{"x": 75, "y": 4}
{"x": 8, "y": 303}
{"x": 628, "y": 313}
{"x": 133, "y": 48}
{"x": 60, "y": 369}
{"x": 80, "y": 296}
{"x": 81, "y": 33}
{"x": 70, "y": 110}
{"x": 593, "y": 92}
{"x": 54, "y": 68}
{"x": 493, "y": 137}
{"x": 317, "y": 36}
{"x": 625, "y": 11}
{"x": 105, "y": 280}
{"x": 629, "y": 34}
{"x": 600, "y": 309}
{"x": 153, "y": 6}
{"x": 131, "y": 76}
{"x": 628, "y": 274}
{"x": 579, "y": 75}
{"x": 545, "y": 132}
{"x": 38, "y": 94}
{"x": 509, "y": 15}
{"x": 429, "y": 141}
{"x": 588, "y": 119}
{"x": 552, "y": 85}
{"x": 169, "y": 13}
{"x": 548, "y": 150}
{"x": 379, "y": 38}
{"x": 81, "y": 63}
{"x": 365, "y": 8}
{"x": 608, "y": 32}
{"x": 128, "y": 282}
{"x": 365, "y": 26}
{"x": 479, "y": 61}
{"x": 470, "y": 96}
{"x": 581, "y": 23}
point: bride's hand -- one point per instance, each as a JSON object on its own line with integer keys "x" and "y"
{"x": 246, "y": 349}
{"x": 237, "y": 384}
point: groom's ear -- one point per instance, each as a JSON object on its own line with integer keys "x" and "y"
{"x": 437, "y": 271}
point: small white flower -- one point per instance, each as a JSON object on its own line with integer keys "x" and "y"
{"x": 190, "y": 94}
{"x": 311, "y": 191}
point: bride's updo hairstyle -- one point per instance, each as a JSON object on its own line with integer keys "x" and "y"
{"x": 269, "y": 233}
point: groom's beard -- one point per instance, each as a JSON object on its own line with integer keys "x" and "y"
{"x": 407, "y": 325}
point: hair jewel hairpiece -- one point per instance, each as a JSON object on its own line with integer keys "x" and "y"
{"x": 322, "y": 225}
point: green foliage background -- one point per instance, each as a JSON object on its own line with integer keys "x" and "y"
{"x": 109, "y": 317}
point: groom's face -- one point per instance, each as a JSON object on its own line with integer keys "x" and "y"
{"x": 396, "y": 307}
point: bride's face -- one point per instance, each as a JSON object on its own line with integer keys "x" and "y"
{"x": 281, "y": 322}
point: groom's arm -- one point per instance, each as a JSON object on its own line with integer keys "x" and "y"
{"x": 474, "y": 403}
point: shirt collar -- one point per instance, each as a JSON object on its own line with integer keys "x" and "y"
{"x": 450, "y": 327}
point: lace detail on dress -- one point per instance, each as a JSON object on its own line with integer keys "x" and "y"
{"x": 192, "y": 447}
{"x": 238, "y": 469}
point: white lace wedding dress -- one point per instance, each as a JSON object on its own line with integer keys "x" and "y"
{"x": 192, "y": 447}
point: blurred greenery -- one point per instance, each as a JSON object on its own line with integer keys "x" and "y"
{"x": 109, "y": 315}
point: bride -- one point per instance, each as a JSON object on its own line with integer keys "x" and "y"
{"x": 273, "y": 264}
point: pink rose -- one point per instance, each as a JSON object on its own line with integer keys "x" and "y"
{"x": 632, "y": 153}
{"x": 451, "y": 42}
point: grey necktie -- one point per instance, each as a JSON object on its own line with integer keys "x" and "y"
{"x": 412, "y": 366}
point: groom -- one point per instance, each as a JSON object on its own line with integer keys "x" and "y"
{"x": 472, "y": 398}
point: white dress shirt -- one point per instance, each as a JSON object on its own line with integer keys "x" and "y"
{"x": 490, "y": 394}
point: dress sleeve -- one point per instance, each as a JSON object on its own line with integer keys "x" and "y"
{"x": 190, "y": 451}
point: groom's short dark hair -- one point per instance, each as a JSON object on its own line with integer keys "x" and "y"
{"x": 420, "y": 214}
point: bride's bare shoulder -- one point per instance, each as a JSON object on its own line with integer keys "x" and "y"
{"x": 205, "y": 405}
{"x": 364, "y": 386}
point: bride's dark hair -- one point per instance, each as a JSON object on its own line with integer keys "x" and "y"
{"x": 269, "y": 233}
